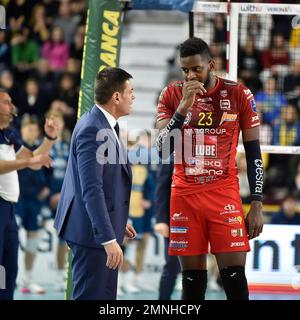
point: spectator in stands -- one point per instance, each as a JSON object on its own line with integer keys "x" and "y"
{"x": 56, "y": 50}
{"x": 73, "y": 67}
{"x": 205, "y": 26}
{"x": 38, "y": 24}
{"x": 34, "y": 101}
{"x": 44, "y": 77}
{"x": 18, "y": 12}
{"x": 265, "y": 130}
{"x": 4, "y": 51}
{"x": 287, "y": 131}
{"x": 295, "y": 38}
{"x": 66, "y": 21}
{"x": 33, "y": 191}
{"x": 249, "y": 64}
{"x": 220, "y": 70}
{"x": 24, "y": 53}
{"x": 276, "y": 58}
{"x": 243, "y": 178}
{"x": 51, "y": 9}
{"x": 295, "y": 178}
{"x": 291, "y": 85}
{"x": 258, "y": 27}
{"x": 76, "y": 48}
{"x": 7, "y": 82}
{"x": 220, "y": 29}
{"x": 288, "y": 213}
{"x": 67, "y": 91}
{"x": 270, "y": 101}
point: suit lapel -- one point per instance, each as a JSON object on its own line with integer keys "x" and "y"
{"x": 121, "y": 151}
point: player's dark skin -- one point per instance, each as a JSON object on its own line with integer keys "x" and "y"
{"x": 199, "y": 79}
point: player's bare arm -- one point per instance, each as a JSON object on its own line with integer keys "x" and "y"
{"x": 254, "y": 220}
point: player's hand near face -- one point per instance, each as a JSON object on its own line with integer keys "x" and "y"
{"x": 190, "y": 89}
{"x": 254, "y": 220}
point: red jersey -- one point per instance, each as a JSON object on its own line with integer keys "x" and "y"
{"x": 210, "y": 134}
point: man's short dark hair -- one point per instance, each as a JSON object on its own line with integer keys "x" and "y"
{"x": 109, "y": 81}
{"x": 193, "y": 46}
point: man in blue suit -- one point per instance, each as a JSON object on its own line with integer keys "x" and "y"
{"x": 93, "y": 209}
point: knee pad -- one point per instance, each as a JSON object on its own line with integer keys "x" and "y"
{"x": 235, "y": 283}
{"x": 194, "y": 283}
{"x": 32, "y": 245}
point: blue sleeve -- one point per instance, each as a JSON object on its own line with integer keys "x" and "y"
{"x": 91, "y": 182}
{"x": 15, "y": 138}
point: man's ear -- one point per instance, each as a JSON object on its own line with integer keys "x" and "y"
{"x": 116, "y": 97}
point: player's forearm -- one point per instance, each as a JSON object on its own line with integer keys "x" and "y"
{"x": 44, "y": 148}
{"x": 7, "y": 166}
{"x": 168, "y": 135}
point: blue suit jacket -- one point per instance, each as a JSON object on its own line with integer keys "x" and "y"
{"x": 94, "y": 202}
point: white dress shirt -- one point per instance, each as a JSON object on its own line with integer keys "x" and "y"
{"x": 112, "y": 122}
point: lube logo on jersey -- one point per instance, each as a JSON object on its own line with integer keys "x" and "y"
{"x": 225, "y": 104}
{"x": 228, "y": 117}
{"x": 207, "y": 151}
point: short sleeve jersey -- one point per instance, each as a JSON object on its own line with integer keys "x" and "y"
{"x": 10, "y": 144}
{"x": 209, "y": 137}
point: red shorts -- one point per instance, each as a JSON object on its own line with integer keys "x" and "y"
{"x": 212, "y": 217}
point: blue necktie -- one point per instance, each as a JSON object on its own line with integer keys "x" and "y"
{"x": 117, "y": 129}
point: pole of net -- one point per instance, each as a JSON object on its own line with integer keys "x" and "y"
{"x": 228, "y": 36}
